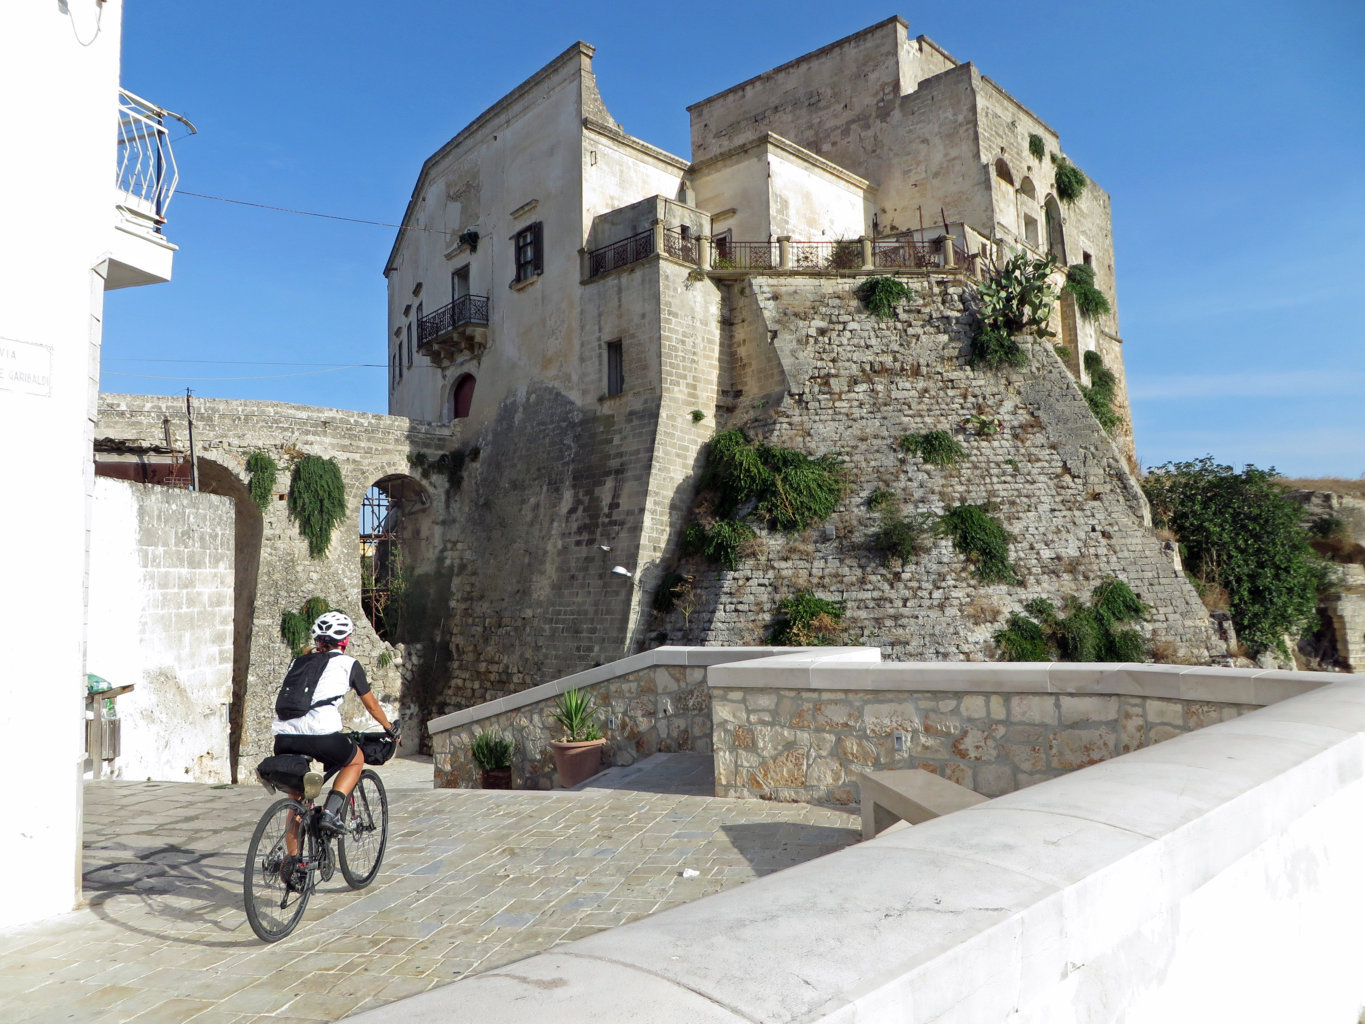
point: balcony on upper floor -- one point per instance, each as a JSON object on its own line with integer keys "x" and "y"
{"x": 456, "y": 329}
{"x": 147, "y": 176}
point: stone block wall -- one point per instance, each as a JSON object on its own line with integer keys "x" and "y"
{"x": 1056, "y": 482}
{"x": 809, "y": 745}
{"x": 161, "y": 572}
{"x": 645, "y": 711}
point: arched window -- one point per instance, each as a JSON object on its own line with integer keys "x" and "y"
{"x": 1026, "y": 187}
{"x": 1002, "y": 171}
{"x": 461, "y": 396}
{"x": 1056, "y": 239}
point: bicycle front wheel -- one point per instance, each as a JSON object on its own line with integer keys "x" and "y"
{"x": 274, "y": 890}
{"x": 366, "y": 832}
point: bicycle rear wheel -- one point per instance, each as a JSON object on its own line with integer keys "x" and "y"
{"x": 366, "y": 821}
{"x": 274, "y": 895}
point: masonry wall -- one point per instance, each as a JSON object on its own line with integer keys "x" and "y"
{"x": 161, "y": 618}
{"x": 368, "y": 448}
{"x": 809, "y": 745}
{"x": 1055, "y": 480}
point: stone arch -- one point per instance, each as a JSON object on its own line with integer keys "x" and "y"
{"x": 1056, "y": 238}
{"x": 1027, "y": 188}
{"x": 215, "y": 478}
{"x": 392, "y": 543}
{"x": 1002, "y": 171}
{"x": 461, "y": 396}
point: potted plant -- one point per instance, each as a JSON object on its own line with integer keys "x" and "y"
{"x": 578, "y": 753}
{"x": 493, "y": 754}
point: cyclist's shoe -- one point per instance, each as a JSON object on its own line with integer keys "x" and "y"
{"x": 329, "y": 824}
{"x": 312, "y": 785}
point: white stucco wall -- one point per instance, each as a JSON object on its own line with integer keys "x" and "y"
{"x": 161, "y": 585}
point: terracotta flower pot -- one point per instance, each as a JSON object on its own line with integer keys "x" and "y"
{"x": 576, "y": 762}
{"x": 495, "y": 778}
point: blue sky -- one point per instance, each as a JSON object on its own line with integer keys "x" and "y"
{"x": 1231, "y": 137}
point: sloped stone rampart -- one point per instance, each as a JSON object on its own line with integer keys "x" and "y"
{"x": 1051, "y": 475}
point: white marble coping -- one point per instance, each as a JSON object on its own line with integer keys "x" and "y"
{"x": 1169, "y": 682}
{"x": 1070, "y": 900}
{"x": 671, "y": 655}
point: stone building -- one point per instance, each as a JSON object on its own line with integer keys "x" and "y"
{"x": 586, "y": 310}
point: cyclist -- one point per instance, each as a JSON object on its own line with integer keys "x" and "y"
{"x": 317, "y": 733}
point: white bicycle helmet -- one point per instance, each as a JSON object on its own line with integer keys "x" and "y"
{"x": 336, "y": 625}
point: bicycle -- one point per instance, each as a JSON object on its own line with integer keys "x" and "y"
{"x": 289, "y": 853}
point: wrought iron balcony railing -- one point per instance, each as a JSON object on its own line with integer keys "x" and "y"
{"x": 466, "y": 311}
{"x": 147, "y": 173}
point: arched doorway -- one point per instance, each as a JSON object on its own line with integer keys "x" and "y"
{"x": 461, "y": 396}
{"x": 388, "y": 535}
{"x": 1056, "y": 240}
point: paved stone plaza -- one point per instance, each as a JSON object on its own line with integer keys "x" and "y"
{"x": 472, "y": 879}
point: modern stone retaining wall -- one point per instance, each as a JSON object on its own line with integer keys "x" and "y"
{"x": 657, "y": 701}
{"x": 1212, "y": 877}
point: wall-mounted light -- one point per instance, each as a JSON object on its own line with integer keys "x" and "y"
{"x": 621, "y": 570}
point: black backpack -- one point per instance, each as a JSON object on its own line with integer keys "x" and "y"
{"x": 300, "y": 683}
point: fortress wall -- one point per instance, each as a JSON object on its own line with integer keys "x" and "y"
{"x": 367, "y": 447}
{"x": 1056, "y": 481}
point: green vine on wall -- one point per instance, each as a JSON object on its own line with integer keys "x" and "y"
{"x": 1101, "y": 392}
{"x": 263, "y": 470}
{"x": 978, "y": 536}
{"x": 1067, "y": 179}
{"x": 296, "y": 628}
{"x": 1036, "y": 148}
{"x": 1080, "y": 285}
{"x": 1081, "y": 631}
{"x": 881, "y": 295}
{"x": 317, "y": 501}
{"x": 808, "y": 621}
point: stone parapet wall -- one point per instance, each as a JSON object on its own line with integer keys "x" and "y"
{"x": 809, "y": 745}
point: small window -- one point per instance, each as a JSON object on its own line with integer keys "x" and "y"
{"x": 419, "y": 321}
{"x": 1087, "y": 259}
{"x": 528, "y": 245}
{"x": 462, "y": 396}
{"x": 400, "y": 351}
{"x": 616, "y": 371}
{"x": 393, "y": 372}
{"x": 722, "y": 243}
{"x": 1002, "y": 171}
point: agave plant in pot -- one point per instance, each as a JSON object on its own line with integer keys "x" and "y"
{"x": 493, "y": 754}
{"x": 578, "y": 753}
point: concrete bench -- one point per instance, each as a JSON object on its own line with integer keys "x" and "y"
{"x": 908, "y": 794}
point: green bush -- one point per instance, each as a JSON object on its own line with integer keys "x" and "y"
{"x": 1036, "y": 149}
{"x": 576, "y": 713}
{"x": 807, "y": 621}
{"x": 723, "y": 541}
{"x": 1016, "y": 299}
{"x": 936, "y": 448}
{"x": 1086, "y": 632}
{"x": 880, "y": 500}
{"x": 296, "y": 628}
{"x": 1241, "y": 532}
{"x": 264, "y": 470}
{"x": 994, "y": 349}
{"x": 979, "y": 538}
{"x": 902, "y": 538}
{"x": 1100, "y": 394}
{"x": 1080, "y": 285}
{"x": 317, "y": 501}
{"x": 881, "y": 295}
{"x": 1067, "y": 179}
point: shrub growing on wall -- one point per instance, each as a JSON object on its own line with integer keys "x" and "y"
{"x": 1080, "y": 285}
{"x": 808, "y": 621}
{"x": 1094, "y": 631}
{"x": 1036, "y": 149}
{"x": 1067, "y": 179}
{"x": 903, "y": 538}
{"x": 317, "y": 501}
{"x": 1016, "y": 299}
{"x": 936, "y": 447}
{"x": 1100, "y": 394}
{"x": 881, "y": 295}
{"x": 1240, "y": 532}
{"x": 979, "y": 538}
{"x": 263, "y": 470}
{"x": 296, "y": 628}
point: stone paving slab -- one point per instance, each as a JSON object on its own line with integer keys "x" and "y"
{"x": 472, "y": 879}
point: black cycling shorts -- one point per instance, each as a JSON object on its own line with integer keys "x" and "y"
{"x": 334, "y": 750}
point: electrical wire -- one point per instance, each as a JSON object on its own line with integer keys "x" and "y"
{"x": 277, "y": 376}
{"x": 309, "y": 213}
